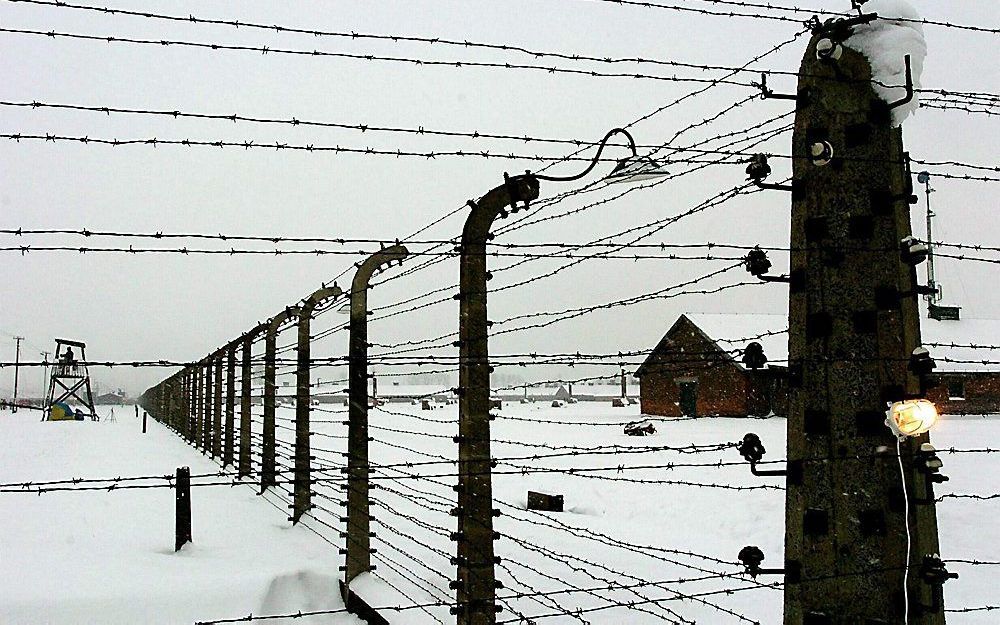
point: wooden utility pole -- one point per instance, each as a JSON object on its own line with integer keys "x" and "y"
{"x": 853, "y": 324}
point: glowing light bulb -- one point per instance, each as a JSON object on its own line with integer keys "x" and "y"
{"x": 911, "y": 417}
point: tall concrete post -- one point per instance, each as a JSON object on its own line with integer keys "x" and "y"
{"x": 230, "y": 439}
{"x": 207, "y": 397}
{"x": 358, "y": 520}
{"x": 196, "y": 404}
{"x": 268, "y": 477}
{"x": 217, "y": 404}
{"x": 185, "y": 404}
{"x": 302, "y": 491}
{"x": 246, "y": 391}
{"x": 853, "y": 322}
{"x": 476, "y": 583}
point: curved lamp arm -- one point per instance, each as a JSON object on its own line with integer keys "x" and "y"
{"x": 597, "y": 157}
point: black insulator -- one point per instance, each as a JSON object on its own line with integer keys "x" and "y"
{"x": 757, "y": 262}
{"x": 758, "y": 169}
{"x": 753, "y": 356}
{"x": 751, "y": 448}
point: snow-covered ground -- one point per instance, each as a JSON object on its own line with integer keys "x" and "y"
{"x": 108, "y": 557}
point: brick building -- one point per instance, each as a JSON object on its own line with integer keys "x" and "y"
{"x": 697, "y": 368}
{"x": 692, "y": 371}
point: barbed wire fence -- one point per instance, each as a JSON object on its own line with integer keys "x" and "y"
{"x": 233, "y": 404}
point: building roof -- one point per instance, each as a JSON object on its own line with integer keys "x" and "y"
{"x": 967, "y": 345}
{"x": 663, "y": 347}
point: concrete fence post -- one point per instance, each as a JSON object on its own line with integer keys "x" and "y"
{"x": 302, "y": 491}
{"x": 853, "y": 324}
{"x": 476, "y": 583}
{"x": 217, "y": 405}
{"x": 246, "y": 390}
{"x": 358, "y": 537}
{"x": 230, "y": 439}
{"x": 268, "y": 476}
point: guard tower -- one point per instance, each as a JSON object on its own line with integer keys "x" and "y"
{"x": 70, "y": 380}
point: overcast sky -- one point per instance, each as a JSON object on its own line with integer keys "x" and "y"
{"x": 182, "y": 307}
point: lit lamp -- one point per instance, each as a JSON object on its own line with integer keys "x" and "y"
{"x": 911, "y": 417}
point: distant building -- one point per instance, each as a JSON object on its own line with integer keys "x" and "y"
{"x": 692, "y": 372}
{"x": 110, "y": 399}
{"x": 696, "y": 369}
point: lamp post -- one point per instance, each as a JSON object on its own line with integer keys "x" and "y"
{"x": 476, "y": 583}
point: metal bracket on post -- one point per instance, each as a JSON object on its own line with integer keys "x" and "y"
{"x": 767, "y": 94}
{"x": 758, "y": 169}
{"x": 758, "y": 264}
{"x": 751, "y": 558}
{"x": 268, "y": 477}
{"x": 753, "y": 451}
{"x": 909, "y": 87}
{"x": 358, "y": 507}
{"x": 907, "y": 195}
{"x": 476, "y": 583}
{"x": 303, "y": 480}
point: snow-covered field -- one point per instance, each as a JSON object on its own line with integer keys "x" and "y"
{"x": 100, "y": 557}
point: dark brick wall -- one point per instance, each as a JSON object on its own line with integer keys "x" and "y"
{"x": 982, "y": 393}
{"x": 723, "y": 386}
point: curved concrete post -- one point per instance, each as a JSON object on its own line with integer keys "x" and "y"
{"x": 217, "y": 403}
{"x": 476, "y": 584}
{"x": 358, "y": 520}
{"x": 195, "y": 374}
{"x": 227, "y": 447}
{"x": 267, "y": 472}
{"x": 244, "y": 466}
{"x": 206, "y": 397}
{"x": 302, "y": 499}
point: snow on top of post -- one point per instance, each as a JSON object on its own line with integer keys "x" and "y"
{"x": 885, "y": 43}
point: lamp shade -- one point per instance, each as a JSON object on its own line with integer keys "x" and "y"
{"x": 637, "y": 169}
{"x": 911, "y": 417}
